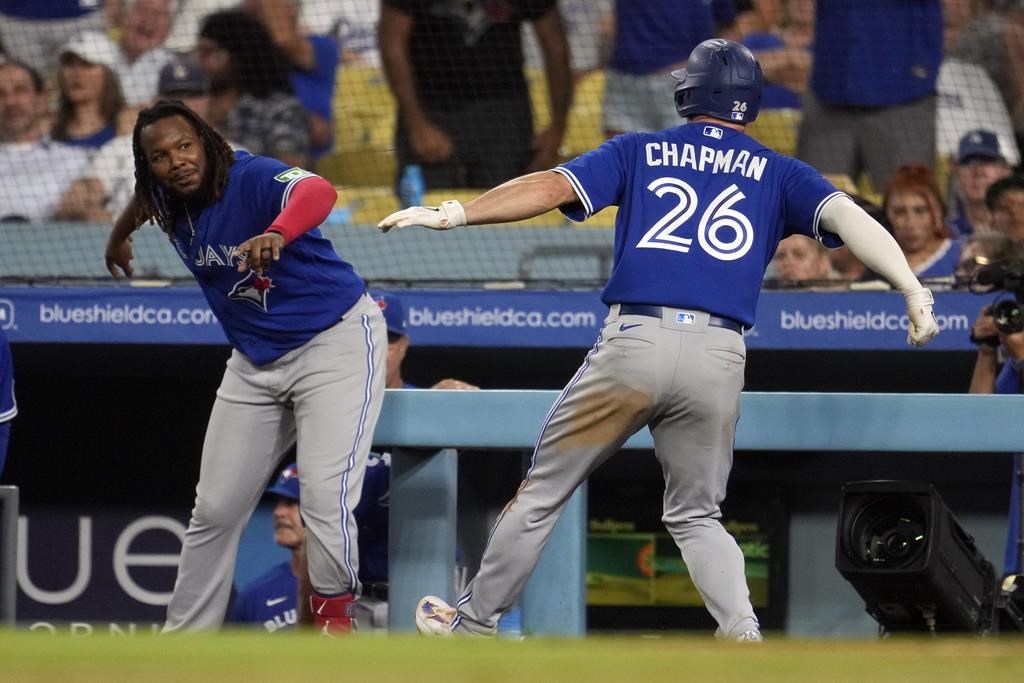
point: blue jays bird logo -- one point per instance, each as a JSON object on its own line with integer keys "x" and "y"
{"x": 252, "y": 288}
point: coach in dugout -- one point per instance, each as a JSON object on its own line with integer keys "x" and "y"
{"x": 271, "y": 599}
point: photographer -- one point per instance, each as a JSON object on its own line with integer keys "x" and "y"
{"x": 999, "y": 336}
{"x": 995, "y": 347}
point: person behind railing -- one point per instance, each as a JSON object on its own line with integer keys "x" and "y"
{"x": 801, "y": 262}
{"x": 91, "y": 108}
{"x": 464, "y": 110}
{"x": 1005, "y": 201}
{"x": 915, "y": 214}
{"x": 37, "y": 170}
{"x": 979, "y": 164}
{"x": 999, "y": 363}
{"x": 252, "y": 98}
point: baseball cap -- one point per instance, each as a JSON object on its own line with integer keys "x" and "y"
{"x": 978, "y": 143}
{"x": 182, "y": 77}
{"x": 93, "y": 47}
{"x": 394, "y": 313}
{"x": 287, "y": 484}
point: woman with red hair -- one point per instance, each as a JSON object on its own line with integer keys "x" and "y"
{"x": 917, "y": 219}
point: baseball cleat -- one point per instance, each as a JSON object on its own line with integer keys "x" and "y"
{"x": 749, "y": 637}
{"x": 434, "y": 617}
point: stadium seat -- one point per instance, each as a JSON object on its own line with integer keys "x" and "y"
{"x": 584, "y": 130}
{"x": 777, "y": 129}
{"x": 367, "y": 205}
{"x": 364, "y": 120}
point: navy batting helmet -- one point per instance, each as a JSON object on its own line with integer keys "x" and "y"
{"x": 722, "y": 79}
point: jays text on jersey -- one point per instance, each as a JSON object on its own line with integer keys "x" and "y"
{"x": 303, "y": 294}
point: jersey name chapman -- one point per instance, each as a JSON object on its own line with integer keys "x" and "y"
{"x": 705, "y": 159}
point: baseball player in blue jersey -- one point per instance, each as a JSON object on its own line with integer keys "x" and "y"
{"x": 702, "y": 208}
{"x": 308, "y": 358}
{"x": 270, "y": 599}
{"x": 8, "y": 406}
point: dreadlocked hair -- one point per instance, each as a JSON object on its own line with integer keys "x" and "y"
{"x": 151, "y": 199}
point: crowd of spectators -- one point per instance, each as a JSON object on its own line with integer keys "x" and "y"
{"x": 937, "y": 88}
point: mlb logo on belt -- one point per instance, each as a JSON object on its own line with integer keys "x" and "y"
{"x": 686, "y": 318}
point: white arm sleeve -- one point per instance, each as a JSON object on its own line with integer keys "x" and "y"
{"x": 869, "y": 242}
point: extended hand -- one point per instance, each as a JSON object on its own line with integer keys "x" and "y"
{"x": 923, "y": 326}
{"x": 119, "y": 258}
{"x": 445, "y": 217}
{"x": 258, "y": 252}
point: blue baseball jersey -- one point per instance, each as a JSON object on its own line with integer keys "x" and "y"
{"x": 8, "y": 406}
{"x": 303, "y": 294}
{"x": 270, "y": 600}
{"x": 701, "y": 210}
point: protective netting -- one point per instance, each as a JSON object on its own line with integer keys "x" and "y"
{"x": 316, "y": 83}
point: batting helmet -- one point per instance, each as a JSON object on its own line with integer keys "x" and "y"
{"x": 722, "y": 79}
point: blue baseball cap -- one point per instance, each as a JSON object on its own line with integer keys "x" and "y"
{"x": 978, "y": 144}
{"x": 287, "y": 484}
{"x": 394, "y": 313}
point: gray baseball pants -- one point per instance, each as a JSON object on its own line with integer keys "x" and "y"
{"x": 684, "y": 381}
{"x": 324, "y": 397}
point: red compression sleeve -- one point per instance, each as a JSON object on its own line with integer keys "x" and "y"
{"x": 310, "y": 202}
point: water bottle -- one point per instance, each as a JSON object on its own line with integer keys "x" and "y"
{"x": 339, "y": 215}
{"x": 511, "y": 624}
{"x": 411, "y": 186}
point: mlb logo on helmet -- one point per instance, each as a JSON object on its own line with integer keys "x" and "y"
{"x": 737, "y": 116}
{"x": 287, "y": 484}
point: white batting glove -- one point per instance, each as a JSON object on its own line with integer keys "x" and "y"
{"x": 445, "y": 217}
{"x": 923, "y": 326}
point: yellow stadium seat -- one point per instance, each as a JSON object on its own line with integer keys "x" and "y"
{"x": 364, "y": 127}
{"x": 777, "y": 129}
{"x": 367, "y": 205}
{"x": 359, "y": 167}
{"x": 584, "y": 130}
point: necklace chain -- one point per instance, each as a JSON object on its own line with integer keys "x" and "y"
{"x": 191, "y": 228}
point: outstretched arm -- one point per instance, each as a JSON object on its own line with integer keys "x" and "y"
{"x": 518, "y": 199}
{"x": 877, "y": 250}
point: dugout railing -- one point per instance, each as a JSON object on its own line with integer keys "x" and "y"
{"x": 415, "y": 423}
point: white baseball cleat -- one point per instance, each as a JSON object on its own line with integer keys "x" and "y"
{"x": 434, "y": 617}
{"x": 750, "y": 637}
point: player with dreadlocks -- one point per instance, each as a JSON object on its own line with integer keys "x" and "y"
{"x": 151, "y": 201}
{"x": 308, "y": 363}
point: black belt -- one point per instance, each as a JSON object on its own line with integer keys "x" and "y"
{"x": 655, "y": 312}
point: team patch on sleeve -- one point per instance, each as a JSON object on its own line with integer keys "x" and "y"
{"x": 291, "y": 174}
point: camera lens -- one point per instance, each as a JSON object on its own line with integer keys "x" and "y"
{"x": 887, "y": 532}
{"x": 1008, "y": 316}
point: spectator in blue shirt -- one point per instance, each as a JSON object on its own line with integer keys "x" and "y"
{"x": 871, "y": 107}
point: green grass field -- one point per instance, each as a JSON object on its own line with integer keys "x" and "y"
{"x": 295, "y": 658}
